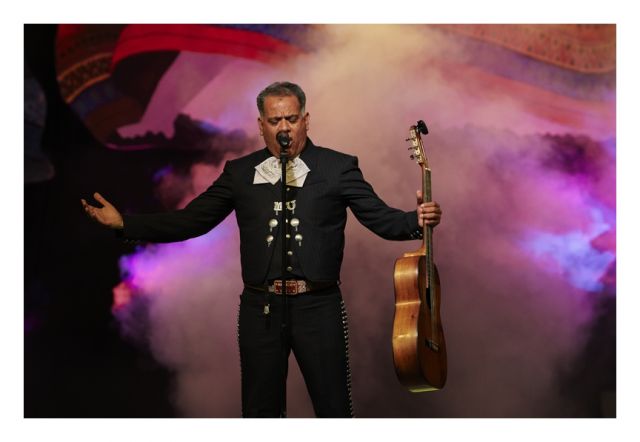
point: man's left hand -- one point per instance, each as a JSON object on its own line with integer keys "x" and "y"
{"x": 429, "y": 212}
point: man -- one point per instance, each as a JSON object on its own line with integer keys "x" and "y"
{"x": 321, "y": 184}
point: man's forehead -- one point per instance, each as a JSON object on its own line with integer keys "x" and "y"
{"x": 278, "y": 115}
{"x": 279, "y": 103}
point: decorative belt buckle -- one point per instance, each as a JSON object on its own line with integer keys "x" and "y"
{"x": 301, "y": 286}
{"x": 293, "y": 287}
{"x": 277, "y": 287}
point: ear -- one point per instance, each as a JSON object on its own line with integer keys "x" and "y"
{"x": 260, "y": 128}
{"x": 306, "y": 121}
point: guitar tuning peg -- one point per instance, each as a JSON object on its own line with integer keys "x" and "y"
{"x": 410, "y": 148}
{"x": 412, "y": 157}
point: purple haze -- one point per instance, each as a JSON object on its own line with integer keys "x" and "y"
{"x": 525, "y": 240}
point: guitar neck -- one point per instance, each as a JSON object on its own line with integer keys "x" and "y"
{"x": 426, "y": 197}
{"x": 427, "y": 230}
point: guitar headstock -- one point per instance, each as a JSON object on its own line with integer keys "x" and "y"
{"x": 416, "y": 143}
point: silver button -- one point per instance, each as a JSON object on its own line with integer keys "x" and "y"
{"x": 288, "y": 236}
{"x": 289, "y": 253}
{"x": 289, "y": 268}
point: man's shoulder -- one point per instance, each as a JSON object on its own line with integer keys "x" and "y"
{"x": 327, "y": 153}
{"x": 249, "y": 160}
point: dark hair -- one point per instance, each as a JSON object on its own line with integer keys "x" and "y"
{"x": 281, "y": 89}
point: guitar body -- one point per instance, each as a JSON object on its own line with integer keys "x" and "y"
{"x": 419, "y": 351}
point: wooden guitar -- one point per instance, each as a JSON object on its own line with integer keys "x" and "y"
{"x": 419, "y": 352}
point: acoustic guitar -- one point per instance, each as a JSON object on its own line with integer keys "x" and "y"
{"x": 419, "y": 352}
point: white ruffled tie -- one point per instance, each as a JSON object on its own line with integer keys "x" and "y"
{"x": 270, "y": 171}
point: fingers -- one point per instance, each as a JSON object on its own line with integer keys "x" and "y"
{"x": 107, "y": 215}
{"x": 91, "y": 211}
{"x": 101, "y": 199}
{"x": 430, "y": 213}
{"x": 431, "y": 206}
{"x": 419, "y": 196}
{"x": 88, "y": 209}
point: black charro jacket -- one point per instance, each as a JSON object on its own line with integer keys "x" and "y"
{"x": 334, "y": 183}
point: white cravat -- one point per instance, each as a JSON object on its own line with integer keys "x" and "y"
{"x": 270, "y": 171}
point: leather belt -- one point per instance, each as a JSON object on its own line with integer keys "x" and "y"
{"x": 293, "y": 286}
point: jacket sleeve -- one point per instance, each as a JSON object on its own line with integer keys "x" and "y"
{"x": 371, "y": 211}
{"x": 201, "y": 215}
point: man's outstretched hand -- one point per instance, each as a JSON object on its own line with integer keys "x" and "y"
{"x": 107, "y": 215}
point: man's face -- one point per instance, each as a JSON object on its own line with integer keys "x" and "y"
{"x": 283, "y": 114}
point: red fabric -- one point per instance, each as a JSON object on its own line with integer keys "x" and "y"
{"x": 136, "y": 39}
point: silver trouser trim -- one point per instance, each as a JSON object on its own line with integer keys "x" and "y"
{"x": 239, "y": 352}
{"x": 345, "y": 329}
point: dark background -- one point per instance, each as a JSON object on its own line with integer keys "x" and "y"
{"x": 76, "y": 364}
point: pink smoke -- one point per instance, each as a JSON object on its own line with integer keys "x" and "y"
{"x": 514, "y": 318}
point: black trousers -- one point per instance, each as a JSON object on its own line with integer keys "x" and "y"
{"x": 318, "y": 336}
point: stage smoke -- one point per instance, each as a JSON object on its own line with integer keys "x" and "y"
{"x": 515, "y": 250}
